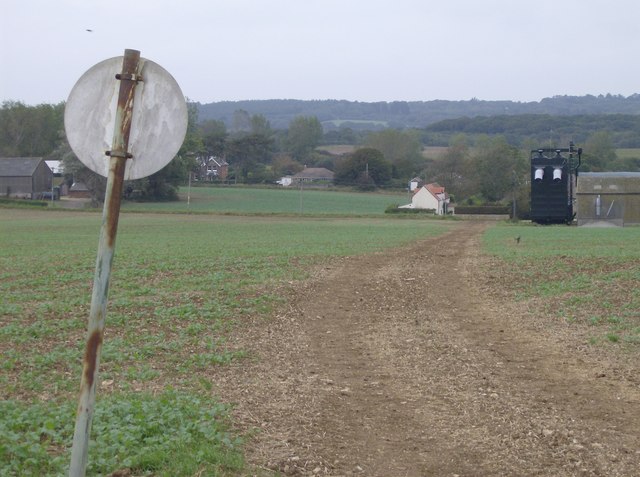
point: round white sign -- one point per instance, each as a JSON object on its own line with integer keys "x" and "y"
{"x": 158, "y": 125}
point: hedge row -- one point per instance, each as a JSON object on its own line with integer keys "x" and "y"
{"x": 482, "y": 210}
{"x": 24, "y": 202}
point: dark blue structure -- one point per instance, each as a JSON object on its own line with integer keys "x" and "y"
{"x": 553, "y": 182}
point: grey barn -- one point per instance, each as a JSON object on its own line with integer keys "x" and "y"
{"x": 24, "y": 177}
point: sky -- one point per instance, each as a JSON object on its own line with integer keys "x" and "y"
{"x": 356, "y": 50}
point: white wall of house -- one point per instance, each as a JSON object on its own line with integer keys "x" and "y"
{"x": 423, "y": 199}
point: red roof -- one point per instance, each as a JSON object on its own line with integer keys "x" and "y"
{"x": 435, "y": 188}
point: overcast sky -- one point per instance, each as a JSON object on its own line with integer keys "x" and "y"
{"x": 358, "y": 50}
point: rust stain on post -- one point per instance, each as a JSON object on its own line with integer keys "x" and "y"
{"x": 119, "y": 148}
{"x": 91, "y": 357}
{"x": 117, "y": 167}
{"x": 128, "y": 81}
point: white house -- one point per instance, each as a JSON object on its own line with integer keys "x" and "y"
{"x": 430, "y": 196}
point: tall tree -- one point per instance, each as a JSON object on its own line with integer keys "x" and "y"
{"x": 304, "y": 136}
{"x": 260, "y": 125}
{"x": 495, "y": 163}
{"x": 29, "y": 130}
{"x": 452, "y": 169}
{"x": 241, "y": 122}
{"x": 214, "y": 136}
{"x": 365, "y": 168}
{"x": 284, "y": 165}
{"x": 246, "y": 152}
{"x": 402, "y": 148}
{"x": 599, "y": 152}
{"x": 163, "y": 185}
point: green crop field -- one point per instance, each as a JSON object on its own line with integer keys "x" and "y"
{"x": 583, "y": 276}
{"x": 628, "y": 153}
{"x": 285, "y": 200}
{"x": 180, "y": 283}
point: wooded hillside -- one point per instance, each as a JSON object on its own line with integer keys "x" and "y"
{"x": 624, "y": 129}
{"x": 413, "y": 114}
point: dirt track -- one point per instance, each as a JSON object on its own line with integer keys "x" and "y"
{"x": 411, "y": 363}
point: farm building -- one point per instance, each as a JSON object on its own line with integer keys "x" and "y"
{"x": 79, "y": 190}
{"x": 24, "y": 177}
{"x": 608, "y": 198}
{"x": 430, "y": 196}
{"x": 314, "y": 176}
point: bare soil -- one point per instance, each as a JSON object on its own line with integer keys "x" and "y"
{"x": 416, "y": 362}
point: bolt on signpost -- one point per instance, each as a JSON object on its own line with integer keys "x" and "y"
{"x": 142, "y": 108}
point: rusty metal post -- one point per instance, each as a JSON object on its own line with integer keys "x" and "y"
{"x": 106, "y": 248}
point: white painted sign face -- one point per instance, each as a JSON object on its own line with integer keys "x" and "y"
{"x": 158, "y": 125}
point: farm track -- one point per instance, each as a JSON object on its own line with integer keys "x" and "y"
{"x": 413, "y": 362}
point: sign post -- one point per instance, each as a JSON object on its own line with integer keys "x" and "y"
{"x": 106, "y": 247}
{"x": 89, "y": 115}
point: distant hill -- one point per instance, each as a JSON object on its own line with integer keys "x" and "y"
{"x": 413, "y": 114}
{"x": 624, "y": 129}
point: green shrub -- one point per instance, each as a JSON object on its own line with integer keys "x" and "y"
{"x": 171, "y": 434}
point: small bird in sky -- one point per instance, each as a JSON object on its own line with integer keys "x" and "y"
{"x": 90, "y": 31}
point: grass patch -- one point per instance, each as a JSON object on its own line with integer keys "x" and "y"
{"x": 284, "y": 200}
{"x": 180, "y": 285}
{"x": 586, "y": 276}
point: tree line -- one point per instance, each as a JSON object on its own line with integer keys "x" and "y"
{"x": 256, "y": 152}
{"x": 484, "y": 159}
{"x": 542, "y": 128}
